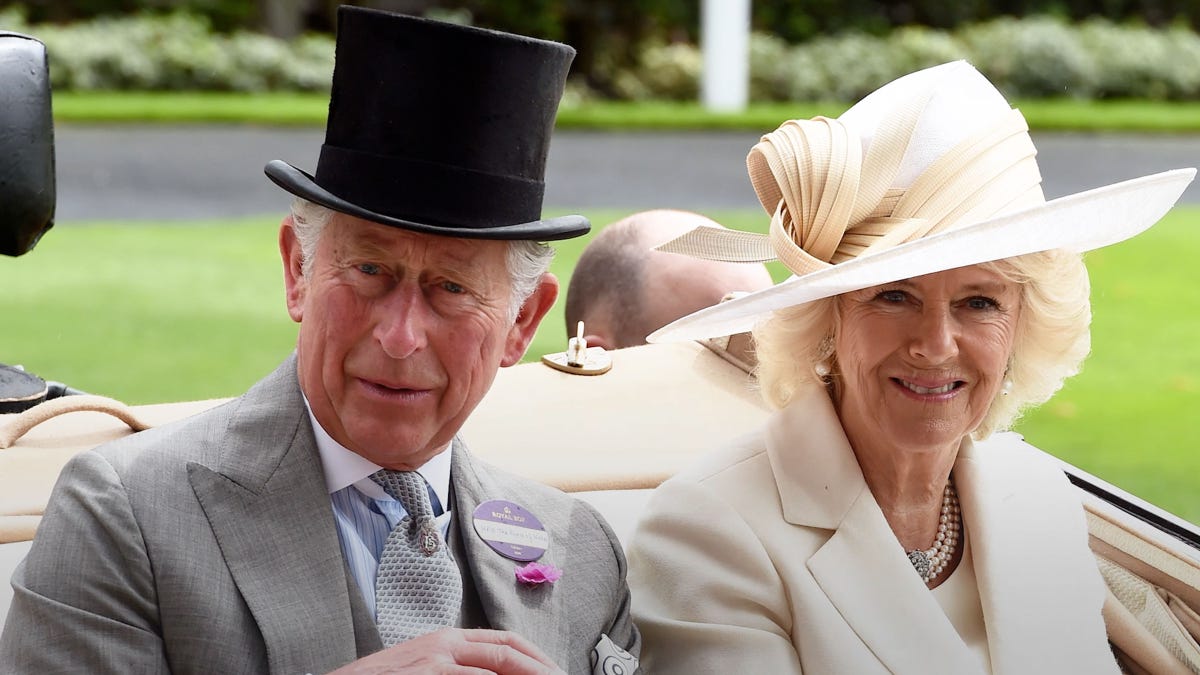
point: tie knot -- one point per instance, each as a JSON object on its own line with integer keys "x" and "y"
{"x": 407, "y": 487}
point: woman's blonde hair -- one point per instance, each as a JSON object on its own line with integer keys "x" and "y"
{"x": 1052, "y": 338}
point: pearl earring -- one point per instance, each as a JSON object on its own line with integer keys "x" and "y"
{"x": 825, "y": 351}
{"x": 1006, "y": 387}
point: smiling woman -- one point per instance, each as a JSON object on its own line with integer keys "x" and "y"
{"x": 877, "y": 519}
{"x": 920, "y": 362}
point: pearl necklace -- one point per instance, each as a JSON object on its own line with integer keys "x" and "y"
{"x": 933, "y": 561}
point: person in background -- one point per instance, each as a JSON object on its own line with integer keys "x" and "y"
{"x": 879, "y": 523}
{"x": 330, "y": 517}
{"x": 623, "y": 290}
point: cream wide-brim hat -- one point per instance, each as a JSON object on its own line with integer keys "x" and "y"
{"x": 933, "y": 171}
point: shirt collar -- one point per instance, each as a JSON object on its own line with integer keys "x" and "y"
{"x": 345, "y": 467}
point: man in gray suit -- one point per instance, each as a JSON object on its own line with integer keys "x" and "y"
{"x": 250, "y": 538}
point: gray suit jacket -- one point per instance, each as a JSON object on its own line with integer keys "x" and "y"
{"x": 209, "y": 545}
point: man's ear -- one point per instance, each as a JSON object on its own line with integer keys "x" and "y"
{"x": 594, "y": 340}
{"x": 529, "y": 318}
{"x": 293, "y": 263}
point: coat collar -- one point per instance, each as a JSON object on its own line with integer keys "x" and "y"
{"x": 1014, "y": 509}
{"x": 861, "y": 567}
{"x": 266, "y": 487}
{"x": 1035, "y": 571}
{"x": 818, "y": 477}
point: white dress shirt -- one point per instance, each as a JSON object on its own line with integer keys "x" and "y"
{"x": 364, "y": 513}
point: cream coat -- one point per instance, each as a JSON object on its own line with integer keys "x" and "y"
{"x": 773, "y": 557}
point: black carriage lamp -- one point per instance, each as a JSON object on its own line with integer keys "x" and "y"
{"x": 27, "y": 194}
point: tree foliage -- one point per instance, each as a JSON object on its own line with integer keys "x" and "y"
{"x": 613, "y": 36}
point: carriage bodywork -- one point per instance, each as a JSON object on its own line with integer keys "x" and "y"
{"x": 610, "y": 439}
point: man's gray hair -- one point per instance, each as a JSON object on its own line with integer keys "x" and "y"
{"x": 526, "y": 261}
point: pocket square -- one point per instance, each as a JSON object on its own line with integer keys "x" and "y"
{"x": 609, "y": 659}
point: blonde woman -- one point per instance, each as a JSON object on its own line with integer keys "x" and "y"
{"x": 878, "y": 523}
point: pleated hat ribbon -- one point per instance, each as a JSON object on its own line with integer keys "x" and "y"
{"x": 830, "y": 202}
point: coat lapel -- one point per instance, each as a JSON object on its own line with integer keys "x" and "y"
{"x": 1035, "y": 573}
{"x": 268, "y": 506}
{"x": 536, "y": 612}
{"x": 866, "y": 576}
{"x": 861, "y": 568}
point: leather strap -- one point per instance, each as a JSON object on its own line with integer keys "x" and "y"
{"x": 19, "y": 424}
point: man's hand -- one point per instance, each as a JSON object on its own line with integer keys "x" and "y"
{"x": 457, "y": 650}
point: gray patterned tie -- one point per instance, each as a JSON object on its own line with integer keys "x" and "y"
{"x": 418, "y": 588}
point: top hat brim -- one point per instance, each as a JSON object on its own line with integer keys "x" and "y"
{"x": 302, "y": 184}
{"x": 1079, "y": 222}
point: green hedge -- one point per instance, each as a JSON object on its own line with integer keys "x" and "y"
{"x": 175, "y": 52}
{"x": 1027, "y": 58}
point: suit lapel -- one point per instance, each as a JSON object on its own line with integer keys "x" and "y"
{"x": 861, "y": 568}
{"x": 1031, "y": 561}
{"x": 269, "y": 508}
{"x": 536, "y": 612}
{"x": 866, "y": 576}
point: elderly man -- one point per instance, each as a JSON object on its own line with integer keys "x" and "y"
{"x": 623, "y": 290}
{"x": 330, "y": 513}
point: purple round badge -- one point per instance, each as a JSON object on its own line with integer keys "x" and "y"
{"x": 510, "y": 530}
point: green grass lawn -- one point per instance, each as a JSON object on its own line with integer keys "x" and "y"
{"x": 152, "y": 313}
{"x": 310, "y": 109}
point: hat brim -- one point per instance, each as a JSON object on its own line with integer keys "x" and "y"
{"x": 302, "y": 184}
{"x": 1079, "y": 222}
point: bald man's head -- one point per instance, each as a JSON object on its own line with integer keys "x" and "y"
{"x": 623, "y": 290}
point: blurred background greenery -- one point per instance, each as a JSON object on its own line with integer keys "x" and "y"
{"x": 800, "y": 50}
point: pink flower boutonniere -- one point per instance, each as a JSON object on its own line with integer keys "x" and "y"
{"x": 536, "y": 573}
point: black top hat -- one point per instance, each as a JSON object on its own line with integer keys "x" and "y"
{"x": 438, "y": 128}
